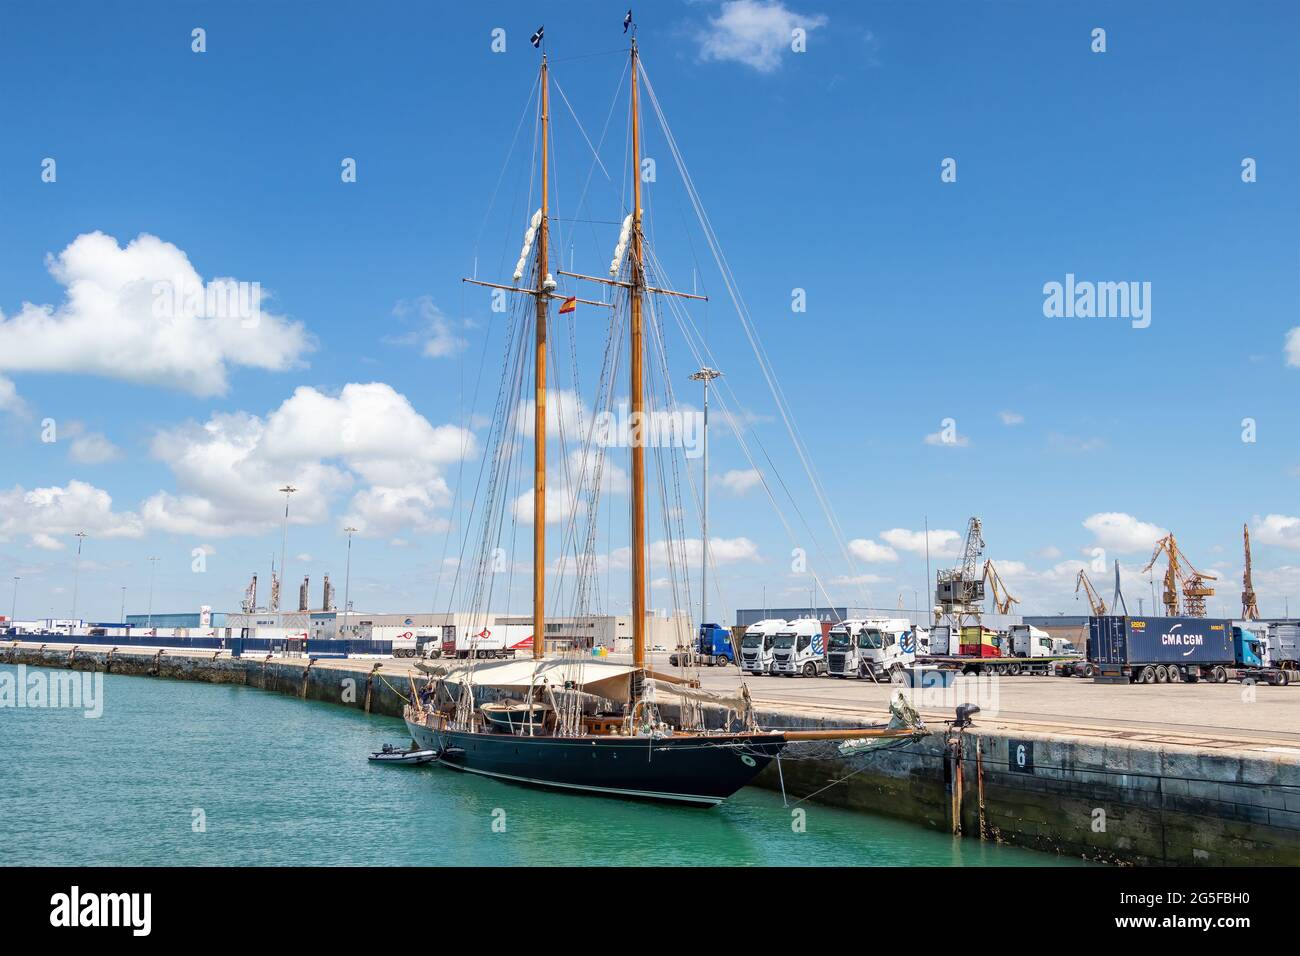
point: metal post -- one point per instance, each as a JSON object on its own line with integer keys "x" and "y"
{"x": 76, "y": 575}
{"x": 123, "y": 615}
{"x": 347, "y": 579}
{"x": 153, "y": 566}
{"x": 705, "y": 375}
{"x": 13, "y": 611}
{"x": 284, "y": 538}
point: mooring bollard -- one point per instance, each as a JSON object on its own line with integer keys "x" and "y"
{"x": 108, "y": 661}
{"x": 369, "y": 684}
{"x": 157, "y": 664}
{"x": 302, "y": 691}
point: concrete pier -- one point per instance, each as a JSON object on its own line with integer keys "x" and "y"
{"x": 1103, "y": 792}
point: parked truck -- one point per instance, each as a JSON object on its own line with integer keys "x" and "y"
{"x": 756, "y": 645}
{"x": 712, "y": 649}
{"x": 493, "y": 641}
{"x": 1160, "y": 650}
{"x": 1284, "y": 645}
{"x": 874, "y": 648}
{"x": 800, "y": 649}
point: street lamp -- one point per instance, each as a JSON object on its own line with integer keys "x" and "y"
{"x": 153, "y": 566}
{"x": 347, "y": 579}
{"x": 122, "y": 618}
{"x": 284, "y": 539}
{"x": 705, "y": 375}
{"x": 76, "y": 574}
{"x": 13, "y": 612}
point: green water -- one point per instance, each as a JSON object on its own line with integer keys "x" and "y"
{"x": 274, "y": 780}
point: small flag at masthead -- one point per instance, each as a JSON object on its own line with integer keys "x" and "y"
{"x": 569, "y": 305}
{"x": 627, "y": 20}
{"x": 536, "y": 38}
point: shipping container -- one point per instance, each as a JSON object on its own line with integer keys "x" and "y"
{"x": 1159, "y": 649}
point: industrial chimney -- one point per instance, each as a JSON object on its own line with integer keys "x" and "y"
{"x": 302, "y": 594}
{"x": 327, "y": 601}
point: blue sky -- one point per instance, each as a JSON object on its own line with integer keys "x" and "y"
{"x": 820, "y": 171}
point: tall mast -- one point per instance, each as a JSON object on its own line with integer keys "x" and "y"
{"x": 638, "y": 391}
{"x": 539, "y": 408}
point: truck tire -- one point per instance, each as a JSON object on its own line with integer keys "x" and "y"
{"x": 1162, "y": 674}
{"x": 1175, "y": 675}
{"x": 1089, "y": 671}
{"x": 1013, "y": 670}
{"x": 1283, "y": 678}
{"x": 810, "y": 669}
{"x": 1220, "y": 674}
{"x": 1148, "y": 675}
{"x": 722, "y": 660}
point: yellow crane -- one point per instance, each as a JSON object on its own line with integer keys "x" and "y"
{"x": 1249, "y": 609}
{"x": 1181, "y": 576}
{"x": 1094, "y": 599}
{"x": 1002, "y": 599}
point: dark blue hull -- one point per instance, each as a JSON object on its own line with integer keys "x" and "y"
{"x": 695, "y": 770}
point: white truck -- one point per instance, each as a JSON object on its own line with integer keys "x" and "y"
{"x": 1029, "y": 641}
{"x": 800, "y": 649}
{"x": 756, "y": 645}
{"x": 875, "y": 647}
{"x": 490, "y": 641}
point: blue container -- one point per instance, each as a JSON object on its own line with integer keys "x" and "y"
{"x": 1138, "y": 641}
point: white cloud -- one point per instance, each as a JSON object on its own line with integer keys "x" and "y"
{"x": 1280, "y": 530}
{"x": 46, "y": 542}
{"x": 228, "y": 469}
{"x": 109, "y": 324}
{"x": 435, "y": 335}
{"x": 92, "y": 448}
{"x": 753, "y": 32}
{"x": 568, "y": 487}
{"x": 943, "y": 543}
{"x": 947, "y": 441}
{"x": 867, "y": 550}
{"x": 1011, "y": 418}
{"x": 10, "y": 400}
{"x": 688, "y": 551}
{"x": 45, "y": 513}
{"x": 1123, "y": 533}
{"x": 1293, "y": 347}
{"x": 739, "y": 481}
{"x": 1051, "y": 551}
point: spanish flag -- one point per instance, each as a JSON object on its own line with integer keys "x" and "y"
{"x": 569, "y": 305}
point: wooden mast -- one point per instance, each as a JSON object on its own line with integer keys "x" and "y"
{"x": 539, "y": 407}
{"x": 635, "y": 292}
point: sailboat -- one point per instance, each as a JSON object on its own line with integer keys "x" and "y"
{"x": 575, "y": 723}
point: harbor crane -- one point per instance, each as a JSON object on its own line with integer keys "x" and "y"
{"x": 1181, "y": 576}
{"x": 1095, "y": 600}
{"x": 1002, "y": 599}
{"x": 959, "y": 592}
{"x": 1249, "y": 608}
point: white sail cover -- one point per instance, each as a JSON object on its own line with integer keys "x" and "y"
{"x": 601, "y": 678}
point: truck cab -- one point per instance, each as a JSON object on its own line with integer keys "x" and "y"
{"x": 1250, "y": 648}
{"x": 886, "y": 645}
{"x": 799, "y": 649}
{"x": 756, "y": 646}
{"x": 842, "y": 650}
{"x": 1030, "y": 641}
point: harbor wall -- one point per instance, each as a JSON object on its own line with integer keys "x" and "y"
{"x": 1119, "y": 801}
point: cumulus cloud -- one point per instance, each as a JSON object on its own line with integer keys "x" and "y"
{"x": 131, "y": 313}
{"x": 740, "y": 480}
{"x": 946, "y": 439}
{"x": 870, "y": 551}
{"x": 92, "y": 448}
{"x": 1117, "y": 531}
{"x": 690, "y": 551}
{"x": 756, "y": 33}
{"x": 1011, "y": 418}
{"x": 568, "y": 485}
{"x": 434, "y": 333}
{"x": 1280, "y": 530}
{"x": 1293, "y": 347}
{"x": 43, "y": 514}
{"x": 943, "y": 542}
{"x": 10, "y": 400}
{"x": 366, "y": 438}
